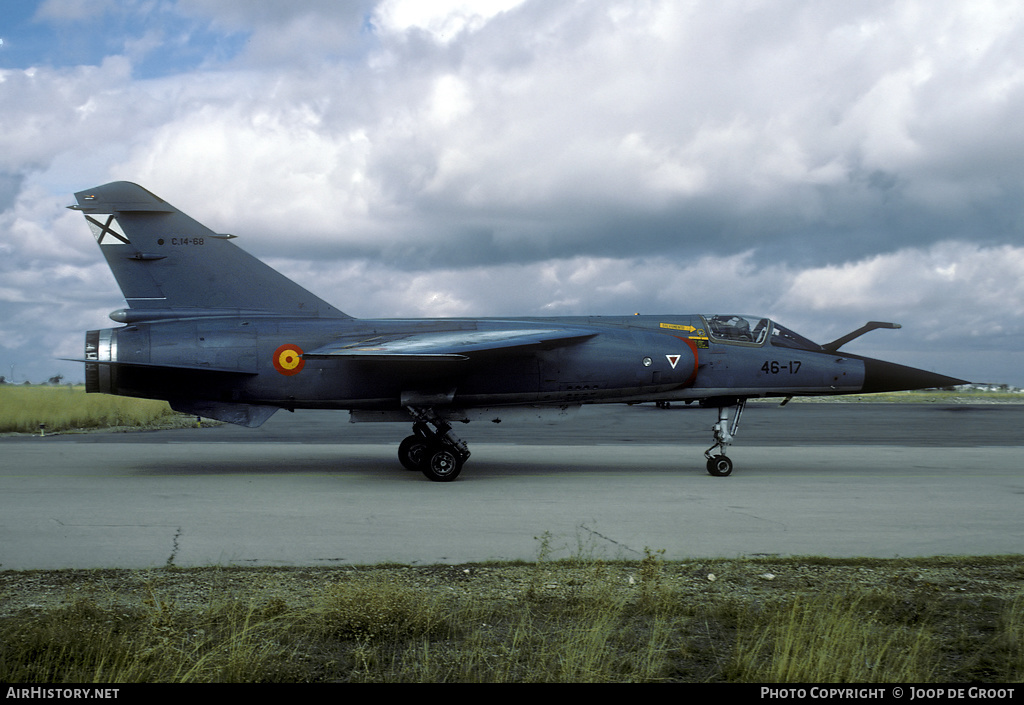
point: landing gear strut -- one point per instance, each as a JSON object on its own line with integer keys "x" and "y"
{"x": 719, "y": 464}
{"x": 433, "y": 449}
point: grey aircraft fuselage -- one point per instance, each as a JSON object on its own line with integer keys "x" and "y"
{"x": 218, "y": 333}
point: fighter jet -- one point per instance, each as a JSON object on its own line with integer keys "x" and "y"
{"x": 217, "y": 333}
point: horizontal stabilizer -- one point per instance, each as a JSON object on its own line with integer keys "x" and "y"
{"x": 448, "y": 345}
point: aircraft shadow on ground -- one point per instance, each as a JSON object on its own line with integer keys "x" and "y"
{"x": 483, "y": 466}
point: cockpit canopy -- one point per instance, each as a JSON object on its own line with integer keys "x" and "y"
{"x": 754, "y": 331}
{"x": 731, "y": 328}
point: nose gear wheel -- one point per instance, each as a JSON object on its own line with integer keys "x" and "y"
{"x": 719, "y": 466}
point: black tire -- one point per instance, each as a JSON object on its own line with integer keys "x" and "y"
{"x": 412, "y": 452}
{"x": 719, "y": 466}
{"x": 443, "y": 464}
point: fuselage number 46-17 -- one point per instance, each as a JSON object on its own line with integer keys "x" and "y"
{"x": 775, "y": 367}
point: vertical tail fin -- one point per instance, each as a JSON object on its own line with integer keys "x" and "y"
{"x": 168, "y": 264}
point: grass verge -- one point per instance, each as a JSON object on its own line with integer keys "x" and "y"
{"x": 62, "y": 409}
{"x": 577, "y": 620}
{"x": 956, "y": 395}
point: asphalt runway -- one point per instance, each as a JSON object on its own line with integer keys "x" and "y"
{"x": 310, "y": 489}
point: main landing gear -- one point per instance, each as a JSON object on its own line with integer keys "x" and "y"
{"x": 433, "y": 449}
{"x": 719, "y": 464}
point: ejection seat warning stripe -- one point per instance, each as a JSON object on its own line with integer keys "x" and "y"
{"x": 288, "y": 360}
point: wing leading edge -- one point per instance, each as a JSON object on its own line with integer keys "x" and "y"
{"x": 450, "y": 346}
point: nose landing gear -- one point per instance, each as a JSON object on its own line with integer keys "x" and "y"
{"x": 718, "y": 464}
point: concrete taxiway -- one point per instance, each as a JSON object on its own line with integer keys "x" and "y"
{"x": 610, "y": 484}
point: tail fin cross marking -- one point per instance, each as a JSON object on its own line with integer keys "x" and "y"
{"x": 101, "y": 230}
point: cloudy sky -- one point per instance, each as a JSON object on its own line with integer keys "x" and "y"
{"x": 822, "y": 163}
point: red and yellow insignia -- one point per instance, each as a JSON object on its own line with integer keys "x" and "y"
{"x": 288, "y": 360}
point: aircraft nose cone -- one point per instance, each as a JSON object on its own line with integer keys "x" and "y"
{"x": 881, "y": 376}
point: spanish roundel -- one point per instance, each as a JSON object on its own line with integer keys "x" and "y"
{"x": 288, "y": 360}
